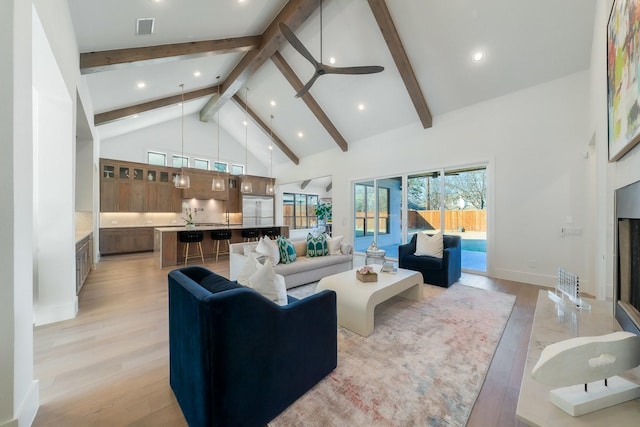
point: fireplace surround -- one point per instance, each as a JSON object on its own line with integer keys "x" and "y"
{"x": 627, "y": 307}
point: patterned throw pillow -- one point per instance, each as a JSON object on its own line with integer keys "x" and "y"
{"x": 287, "y": 251}
{"x": 317, "y": 246}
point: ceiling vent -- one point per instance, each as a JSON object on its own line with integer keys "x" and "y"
{"x": 144, "y": 26}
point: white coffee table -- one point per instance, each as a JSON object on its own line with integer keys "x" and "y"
{"x": 356, "y": 301}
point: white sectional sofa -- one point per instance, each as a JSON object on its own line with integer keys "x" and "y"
{"x": 302, "y": 271}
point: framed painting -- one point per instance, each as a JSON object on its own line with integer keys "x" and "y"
{"x": 623, "y": 77}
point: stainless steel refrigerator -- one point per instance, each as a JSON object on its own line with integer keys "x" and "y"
{"x": 257, "y": 211}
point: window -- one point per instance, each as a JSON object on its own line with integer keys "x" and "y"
{"x": 180, "y": 161}
{"x": 237, "y": 170}
{"x": 220, "y": 166}
{"x": 201, "y": 164}
{"x": 155, "y": 158}
{"x": 299, "y": 210}
{"x": 365, "y": 209}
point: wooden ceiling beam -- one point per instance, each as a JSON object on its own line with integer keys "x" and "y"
{"x": 304, "y": 184}
{"x": 113, "y": 115}
{"x": 392, "y": 38}
{"x": 276, "y": 140}
{"x": 294, "y": 13}
{"x": 93, "y": 62}
{"x": 308, "y": 99}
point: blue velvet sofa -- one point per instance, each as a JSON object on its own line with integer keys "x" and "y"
{"x": 443, "y": 271}
{"x": 237, "y": 358}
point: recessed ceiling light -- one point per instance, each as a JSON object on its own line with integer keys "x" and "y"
{"x": 241, "y": 1}
{"x": 361, "y": 107}
{"x": 273, "y": 103}
{"x": 141, "y": 85}
{"x": 271, "y": 147}
{"x": 196, "y": 73}
{"x": 244, "y": 122}
{"x": 135, "y": 116}
{"x": 478, "y": 56}
{"x": 332, "y": 60}
{"x": 300, "y": 134}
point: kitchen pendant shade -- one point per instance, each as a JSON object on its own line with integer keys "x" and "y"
{"x": 270, "y": 189}
{"x": 246, "y": 186}
{"x": 182, "y": 180}
{"x": 218, "y": 184}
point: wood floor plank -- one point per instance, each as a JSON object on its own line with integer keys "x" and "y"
{"x": 109, "y": 365}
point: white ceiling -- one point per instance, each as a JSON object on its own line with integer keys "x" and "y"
{"x": 526, "y": 43}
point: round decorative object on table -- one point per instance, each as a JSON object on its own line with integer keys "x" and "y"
{"x": 375, "y": 254}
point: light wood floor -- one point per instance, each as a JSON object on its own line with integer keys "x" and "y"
{"x": 109, "y": 365}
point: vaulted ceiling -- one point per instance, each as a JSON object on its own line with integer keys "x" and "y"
{"x": 425, "y": 46}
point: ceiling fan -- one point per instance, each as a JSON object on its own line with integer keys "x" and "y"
{"x": 320, "y": 68}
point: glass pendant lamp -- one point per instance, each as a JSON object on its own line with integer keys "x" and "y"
{"x": 218, "y": 184}
{"x": 270, "y": 187}
{"x": 182, "y": 180}
{"x": 245, "y": 184}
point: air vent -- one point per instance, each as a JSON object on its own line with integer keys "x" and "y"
{"x": 144, "y": 26}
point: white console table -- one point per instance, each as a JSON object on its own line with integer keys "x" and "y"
{"x": 550, "y": 325}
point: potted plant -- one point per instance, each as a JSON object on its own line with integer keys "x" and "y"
{"x": 324, "y": 212}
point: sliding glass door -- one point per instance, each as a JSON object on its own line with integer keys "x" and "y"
{"x": 378, "y": 214}
{"x": 452, "y": 200}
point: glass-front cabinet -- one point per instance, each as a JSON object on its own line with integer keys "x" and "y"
{"x": 136, "y": 187}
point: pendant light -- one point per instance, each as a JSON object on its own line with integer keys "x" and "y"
{"x": 245, "y": 184}
{"x": 182, "y": 180}
{"x": 218, "y": 184}
{"x": 270, "y": 188}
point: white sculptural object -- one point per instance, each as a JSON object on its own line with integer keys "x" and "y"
{"x": 584, "y": 360}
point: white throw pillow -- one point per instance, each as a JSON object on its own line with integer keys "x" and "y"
{"x": 247, "y": 249}
{"x": 429, "y": 245}
{"x": 300, "y": 247}
{"x": 334, "y": 244}
{"x": 269, "y": 284}
{"x": 269, "y": 248}
{"x": 250, "y": 266}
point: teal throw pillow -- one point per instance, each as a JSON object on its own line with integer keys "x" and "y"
{"x": 317, "y": 246}
{"x": 287, "y": 251}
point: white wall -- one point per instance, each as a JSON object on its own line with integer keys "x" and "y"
{"x": 53, "y": 192}
{"x": 200, "y": 140}
{"x": 610, "y": 176}
{"x": 18, "y": 390}
{"x": 533, "y": 141}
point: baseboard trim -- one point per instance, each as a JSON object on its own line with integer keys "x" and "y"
{"x": 44, "y": 315}
{"x": 28, "y": 408}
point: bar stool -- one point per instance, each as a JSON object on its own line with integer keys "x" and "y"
{"x": 250, "y": 234}
{"x": 221, "y": 236}
{"x": 191, "y": 237}
{"x": 271, "y": 232}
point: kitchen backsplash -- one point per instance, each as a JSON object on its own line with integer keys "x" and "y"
{"x": 84, "y": 222}
{"x": 204, "y": 211}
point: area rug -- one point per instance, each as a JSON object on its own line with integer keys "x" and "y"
{"x": 423, "y": 365}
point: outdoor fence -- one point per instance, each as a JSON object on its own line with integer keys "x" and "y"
{"x": 469, "y": 219}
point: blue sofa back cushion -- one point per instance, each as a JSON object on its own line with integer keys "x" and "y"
{"x": 215, "y": 283}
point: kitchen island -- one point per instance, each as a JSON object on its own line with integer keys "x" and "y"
{"x": 169, "y": 252}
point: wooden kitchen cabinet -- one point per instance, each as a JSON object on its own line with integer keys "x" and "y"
{"x": 126, "y": 240}
{"x": 137, "y": 187}
{"x": 200, "y": 187}
{"x": 84, "y": 261}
